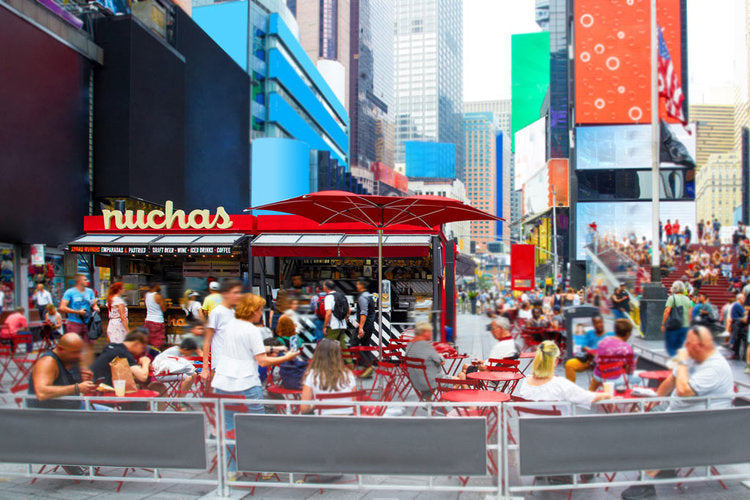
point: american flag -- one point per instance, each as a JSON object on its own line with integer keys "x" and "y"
{"x": 669, "y": 84}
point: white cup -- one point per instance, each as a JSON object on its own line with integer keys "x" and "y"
{"x": 609, "y": 388}
{"x": 119, "y": 388}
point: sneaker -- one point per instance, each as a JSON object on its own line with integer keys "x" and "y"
{"x": 639, "y": 491}
{"x": 367, "y": 373}
{"x": 233, "y": 476}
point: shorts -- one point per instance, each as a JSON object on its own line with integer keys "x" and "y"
{"x": 80, "y": 328}
{"x": 156, "y": 333}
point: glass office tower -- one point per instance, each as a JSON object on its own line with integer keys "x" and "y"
{"x": 429, "y": 75}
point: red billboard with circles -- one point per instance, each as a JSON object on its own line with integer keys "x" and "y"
{"x": 613, "y": 58}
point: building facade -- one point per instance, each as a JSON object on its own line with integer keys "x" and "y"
{"x": 290, "y": 96}
{"x": 449, "y": 188}
{"x": 371, "y": 73}
{"x": 719, "y": 188}
{"x": 429, "y": 76}
{"x": 716, "y": 130}
{"x": 482, "y": 175}
{"x": 324, "y": 33}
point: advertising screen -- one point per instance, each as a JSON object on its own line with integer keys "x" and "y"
{"x": 522, "y": 267}
{"x": 624, "y": 146}
{"x": 530, "y": 152}
{"x": 630, "y": 219}
{"x": 612, "y": 58}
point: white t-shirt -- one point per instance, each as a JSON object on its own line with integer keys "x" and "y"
{"x": 713, "y": 378}
{"x": 504, "y": 349}
{"x": 218, "y": 320}
{"x": 557, "y": 389}
{"x": 349, "y": 385}
{"x": 2, "y": 299}
{"x": 194, "y": 307}
{"x": 42, "y": 298}
{"x": 524, "y": 313}
{"x": 237, "y": 369}
{"x": 335, "y": 323}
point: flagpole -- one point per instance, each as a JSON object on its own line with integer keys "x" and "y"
{"x": 655, "y": 180}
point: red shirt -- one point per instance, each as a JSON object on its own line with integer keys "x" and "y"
{"x": 675, "y": 228}
{"x": 668, "y": 229}
{"x": 16, "y": 322}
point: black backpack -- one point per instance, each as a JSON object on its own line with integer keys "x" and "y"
{"x": 340, "y": 306}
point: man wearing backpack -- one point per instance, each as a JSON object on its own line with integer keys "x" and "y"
{"x": 337, "y": 312}
{"x": 366, "y": 316}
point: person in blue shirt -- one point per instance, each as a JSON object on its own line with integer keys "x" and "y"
{"x": 77, "y": 303}
{"x": 588, "y": 344}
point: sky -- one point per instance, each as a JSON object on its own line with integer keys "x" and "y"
{"x": 716, "y": 51}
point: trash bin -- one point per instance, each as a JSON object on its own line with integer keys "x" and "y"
{"x": 575, "y": 316}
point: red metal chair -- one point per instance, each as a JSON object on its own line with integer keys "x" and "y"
{"x": 615, "y": 367}
{"x": 419, "y": 371}
{"x": 503, "y": 365}
{"x": 353, "y": 395}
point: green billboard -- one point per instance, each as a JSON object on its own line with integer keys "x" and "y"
{"x": 529, "y": 79}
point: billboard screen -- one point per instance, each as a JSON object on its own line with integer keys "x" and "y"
{"x": 613, "y": 61}
{"x": 623, "y": 146}
{"x": 529, "y": 74}
{"x": 530, "y": 152}
{"x": 629, "y": 219}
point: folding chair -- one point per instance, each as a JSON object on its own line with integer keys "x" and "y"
{"x": 420, "y": 370}
{"x": 6, "y": 360}
{"x": 616, "y": 367}
{"x": 503, "y": 365}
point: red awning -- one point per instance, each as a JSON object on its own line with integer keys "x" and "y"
{"x": 331, "y": 245}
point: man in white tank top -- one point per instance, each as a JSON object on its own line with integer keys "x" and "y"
{"x": 155, "y": 307}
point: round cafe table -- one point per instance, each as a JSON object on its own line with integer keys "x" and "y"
{"x": 527, "y": 355}
{"x": 114, "y": 399}
{"x": 475, "y": 396}
{"x": 508, "y": 380}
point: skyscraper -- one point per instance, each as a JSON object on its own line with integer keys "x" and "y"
{"x": 324, "y": 32}
{"x": 429, "y": 75}
{"x": 371, "y": 106}
{"x": 481, "y": 173}
{"x": 497, "y": 129}
{"x": 716, "y": 132}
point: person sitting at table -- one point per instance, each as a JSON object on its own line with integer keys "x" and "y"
{"x": 537, "y": 319}
{"x": 506, "y": 347}
{"x": 543, "y": 385}
{"x": 525, "y": 311}
{"x": 616, "y": 345}
{"x": 56, "y": 374}
{"x": 14, "y": 324}
{"x": 588, "y": 344}
{"x": 558, "y": 320}
{"x": 701, "y": 371}
{"x": 188, "y": 348}
{"x": 54, "y": 322}
{"x": 326, "y": 374}
{"x": 421, "y": 348}
{"x": 133, "y": 349}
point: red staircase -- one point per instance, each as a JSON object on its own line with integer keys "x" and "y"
{"x": 718, "y": 294}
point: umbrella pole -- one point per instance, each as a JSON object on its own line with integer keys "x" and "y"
{"x": 380, "y": 293}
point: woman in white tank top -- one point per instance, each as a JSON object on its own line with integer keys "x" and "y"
{"x": 155, "y": 307}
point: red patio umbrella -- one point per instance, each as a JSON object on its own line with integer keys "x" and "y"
{"x": 379, "y": 212}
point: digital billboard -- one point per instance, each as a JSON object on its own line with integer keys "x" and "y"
{"x": 623, "y": 146}
{"x": 530, "y": 152}
{"x": 630, "y": 219}
{"x": 529, "y": 75}
{"x": 613, "y": 58}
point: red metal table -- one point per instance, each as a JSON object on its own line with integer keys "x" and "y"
{"x": 475, "y": 396}
{"x": 501, "y": 381}
{"x": 658, "y": 375}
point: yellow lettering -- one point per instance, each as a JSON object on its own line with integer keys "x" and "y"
{"x": 193, "y": 218}
{"x": 170, "y": 216}
{"x": 151, "y": 222}
{"x": 130, "y": 223}
{"x": 226, "y": 221}
{"x": 140, "y": 219}
{"x": 112, "y": 214}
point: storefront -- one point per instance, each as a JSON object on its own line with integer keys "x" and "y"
{"x": 416, "y": 283}
{"x": 176, "y": 250}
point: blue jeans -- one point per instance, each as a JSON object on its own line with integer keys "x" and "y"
{"x": 674, "y": 339}
{"x": 253, "y": 393}
{"x": 618, "y": 314}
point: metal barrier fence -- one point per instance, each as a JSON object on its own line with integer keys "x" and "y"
{"x": 496, "y": 449}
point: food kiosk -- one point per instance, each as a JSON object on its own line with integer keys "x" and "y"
{"x": 183, "y": 251}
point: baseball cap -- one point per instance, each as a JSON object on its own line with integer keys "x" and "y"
{"x": 192, "y": 293}
{"x": 214, "y": 286}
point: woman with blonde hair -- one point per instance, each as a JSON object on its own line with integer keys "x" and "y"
{"x": 117, "y": 325}
{"x": 327, "y": 373}
{"x": 543, "y": 385}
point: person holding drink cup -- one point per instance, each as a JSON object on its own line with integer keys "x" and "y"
{"x": 133, "y": 349}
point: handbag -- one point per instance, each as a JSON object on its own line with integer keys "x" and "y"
{"x": 674, "y": 320}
